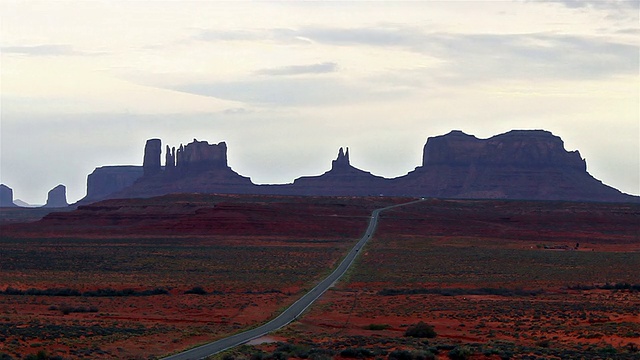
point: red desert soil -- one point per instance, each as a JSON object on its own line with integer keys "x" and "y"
{"x": 496, "y": 277}
{"x": 133, "y": 260}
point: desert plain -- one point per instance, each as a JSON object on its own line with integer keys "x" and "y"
{"x": 493, "y": 279}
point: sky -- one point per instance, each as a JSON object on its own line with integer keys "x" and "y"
{"x": 84, "y": 84}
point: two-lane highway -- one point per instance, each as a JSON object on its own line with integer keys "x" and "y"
{"x": 293, "y": 311}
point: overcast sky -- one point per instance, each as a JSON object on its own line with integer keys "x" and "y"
{"x": 285, "y": 84}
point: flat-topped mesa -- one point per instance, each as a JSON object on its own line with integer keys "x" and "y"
{"x": 342, "y": 161}
{"x": 57, "y": 197}
{"x": 521, "y": 148}
{"x": 200, "y": 156}
{"x": 106, "y": 180}
{"x": 6, "y": 196}
{"x": 152, "y": 152}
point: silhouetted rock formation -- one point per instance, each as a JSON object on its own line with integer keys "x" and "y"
{"x": 107, "y": 180}
{"x": 57, "y": 197}
{"x": 199, "y": 167}
{"x": 520, "y": 164}
{"x": 152, "y": 152}
{"x": 170, "y": 159}
{"x": 200, "y": 156}
{"x": 342, "y": 179}
{"x": 6, "y": 196}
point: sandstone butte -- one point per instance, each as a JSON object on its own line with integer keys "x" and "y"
{"x": 57, "y": 197}
{"x": 519, "y": 164}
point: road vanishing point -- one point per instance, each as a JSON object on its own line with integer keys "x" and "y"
{"x": 293, "y": 311}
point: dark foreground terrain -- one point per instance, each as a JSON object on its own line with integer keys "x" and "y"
{"x": 141, "y": 278}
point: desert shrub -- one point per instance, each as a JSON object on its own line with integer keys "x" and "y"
{"x": 459, "y": 292}
{"x": 411, "y": 355}
{"x": 43, "y": 355}
{"x": 630, "y": 347}
{"x": 356, "y": 353}
{"x": 197, "y": 290}
{"x": 608, "y": 350}
{"x": 423, "y": 355}
{"x": 279, "y": 355}
{"x": 400, "y": 355}
{"x": 320, "y": 354}
{"x": 377, "y": 327}
{"x": 108, "y": 292}
{"x": 543, "y": 343}
{"x": 66, "y": 309}
{"x": 460, "y": 353}
{"x": 421, "y": 330}
{"x": 39, "y": 292}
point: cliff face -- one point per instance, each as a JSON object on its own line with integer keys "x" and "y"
{"x": 151, "y": 160}
{"x": 521, "y": 164}
{"x": 6, "y": 196}
{"x": 106, "y": 180}
{"x": 198, "y": 167}
{"x": 57, "y": 197}
{"x": 533, "y": 149}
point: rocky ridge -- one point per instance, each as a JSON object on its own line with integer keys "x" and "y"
{"x": 520, "y": 164}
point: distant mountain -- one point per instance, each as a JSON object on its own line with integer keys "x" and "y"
{"x": 520, "y": 164}
{"x": 21, "y": 203}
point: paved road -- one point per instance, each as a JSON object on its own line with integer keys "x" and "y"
{"x": 294, "y": 310}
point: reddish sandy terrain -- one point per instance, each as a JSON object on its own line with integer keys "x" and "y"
{"x": 251, "y": 255}
{"x": 495, "y": 279}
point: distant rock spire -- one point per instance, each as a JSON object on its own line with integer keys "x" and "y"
{"x": 170, "y": 159}
{"x": 342, "y": 161}
{"x": 152, "y": 151}
{"x": 57, "y": 197}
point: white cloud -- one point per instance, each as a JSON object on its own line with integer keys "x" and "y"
{"x": 321, "y": 68}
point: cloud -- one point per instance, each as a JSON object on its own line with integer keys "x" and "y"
{"x": 529, "y": 55}
{"x": 497, "y": 55}
{"x": 321, "y": 68}
{"x": 39, "y": 50}
{"x": 381, "y": 36}
{"x": 598, "y": 4}
{"x": 615, "y": 9}
{"x": 286, "y": 91}
{"x": 533, "y": 56}
{"x": 46, "y": 50}
{"x": 277, "y": 35}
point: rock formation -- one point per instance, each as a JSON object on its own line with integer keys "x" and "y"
{"x": 107, "y": 180}
{"x": 534, "y": 149}
{"x": 6, "y": 196}
{"x": 199, "y": 156}
{"x": 57, "y": 197}
{"x": 170, "y": 159}
{"x": 152, "y": 152}
{"x": 199, "y": 167}
{"x": 342, "y": 179}
{"x": 520, "y": 164}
